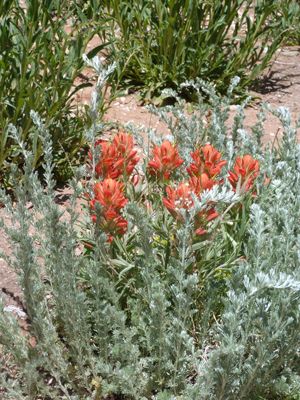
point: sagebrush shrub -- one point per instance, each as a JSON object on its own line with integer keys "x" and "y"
{"x": 151, "y": 309}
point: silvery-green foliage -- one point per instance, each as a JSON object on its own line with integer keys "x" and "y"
{"x": 258, "y": 335}
{"x": 103, "y": 72}
{"x": 208, "y": 123}
{"x": 132, "y": 323}
{"x": 84, "y": 344}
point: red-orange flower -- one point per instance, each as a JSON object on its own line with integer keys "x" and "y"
{"x": 206, "y": 160}
{"x": 182, "y": 198}
{"x": 165, "y": 160}
{"x": 179, "y": 198}
{"x": 105, "y": 165}
{"x": 111, "y": 222}
{"x": 117, "y": 158}
{"x": 109, "y": 194}
{"x": 245, "y": 171}
{"x": 202, "y": 218}
{"x": 127, "y": 155}
{"x": 200, "y": 183}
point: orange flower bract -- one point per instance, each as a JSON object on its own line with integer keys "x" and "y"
{"x": 206, "y": 160}
{"x": 127, "y": 156}
{"x": 182, "y": 198}
{"x": 111, "y": 223}
{"x": 117, "y": 158}
{"x": 165, "y": 160}
{"x": 105, "y": 165}
{"x": 109, "y": 194}
{"x": 178, "y": 198}
{"x": 245, "y": 171}
{"x": 200, "y": 183}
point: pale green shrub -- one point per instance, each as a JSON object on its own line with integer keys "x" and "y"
{"x": 99, "y": 330}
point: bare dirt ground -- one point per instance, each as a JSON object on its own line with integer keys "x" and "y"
{"x": 279, "y": 87}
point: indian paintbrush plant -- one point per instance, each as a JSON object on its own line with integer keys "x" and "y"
{"x": 118, "y": 161}
{"x": 172, "y": 273}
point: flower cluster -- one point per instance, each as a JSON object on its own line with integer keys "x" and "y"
{"x": 118, "y": 158}
{"x": 244, "y": 173}
{"x": 203, "y": 171}
{"x": 165, "y": 160}
{"x": 117, "y": 162}
{"x": 206, "y": 160}
{"x": 180, "y": 199}
{"x": 206, "y": 166}
{"x": 110, "y": 199}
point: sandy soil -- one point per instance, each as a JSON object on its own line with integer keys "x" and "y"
{"x": 279, "y": 87}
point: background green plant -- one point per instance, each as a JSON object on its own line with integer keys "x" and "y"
{"x": 163, "y": 43}
{"x": 41, "y": 57}
{"x": 42, "y": 45}
{"x": 292, "y": 12}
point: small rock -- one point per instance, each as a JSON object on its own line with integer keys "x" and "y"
{"x": 15, "y": 310}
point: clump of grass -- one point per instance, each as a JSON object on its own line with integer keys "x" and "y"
{"x": 164, "y": 43}
{"x": 41, "y": 48}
